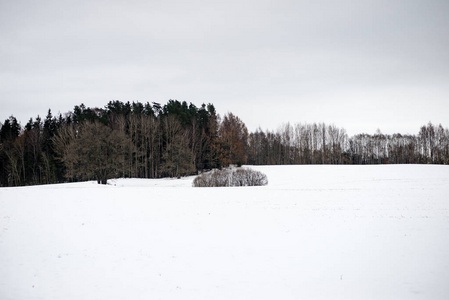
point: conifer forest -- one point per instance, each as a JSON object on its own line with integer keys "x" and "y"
{"x": 143, "y": 140}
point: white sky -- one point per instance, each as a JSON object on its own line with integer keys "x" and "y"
{"x": 358, "y": 64}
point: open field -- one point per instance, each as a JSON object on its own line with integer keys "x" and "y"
{"x": 314, "y": 232}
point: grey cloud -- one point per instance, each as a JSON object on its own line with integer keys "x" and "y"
{"x": 237, "y": 54}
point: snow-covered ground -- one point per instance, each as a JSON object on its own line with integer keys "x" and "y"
{"x": 315, "y": 232}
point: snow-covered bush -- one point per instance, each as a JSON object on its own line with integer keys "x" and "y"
{"x": 231, "y": 177}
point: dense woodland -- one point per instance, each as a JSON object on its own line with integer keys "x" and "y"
{"x": 178, "y": 139}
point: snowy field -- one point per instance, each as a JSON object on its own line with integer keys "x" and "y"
{"x": 315, "y": 232}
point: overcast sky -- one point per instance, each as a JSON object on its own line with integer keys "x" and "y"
{"x": 358, "y": 64}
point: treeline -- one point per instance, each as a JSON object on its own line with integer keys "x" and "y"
{"x": 328, "y": 144}
{"x": 120, "y": 140}
{"x": 178, "y": 139}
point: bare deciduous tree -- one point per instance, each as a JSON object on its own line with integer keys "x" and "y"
{"x": 92, "y": 151}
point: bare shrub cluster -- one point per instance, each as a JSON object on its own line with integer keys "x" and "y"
{"x": 231, "y": 177}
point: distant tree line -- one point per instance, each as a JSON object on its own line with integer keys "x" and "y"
{"x": 179, "y": 139}
{"x": 328, "y": 144}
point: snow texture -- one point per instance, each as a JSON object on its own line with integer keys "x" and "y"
{"x": 314, "y": 232}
